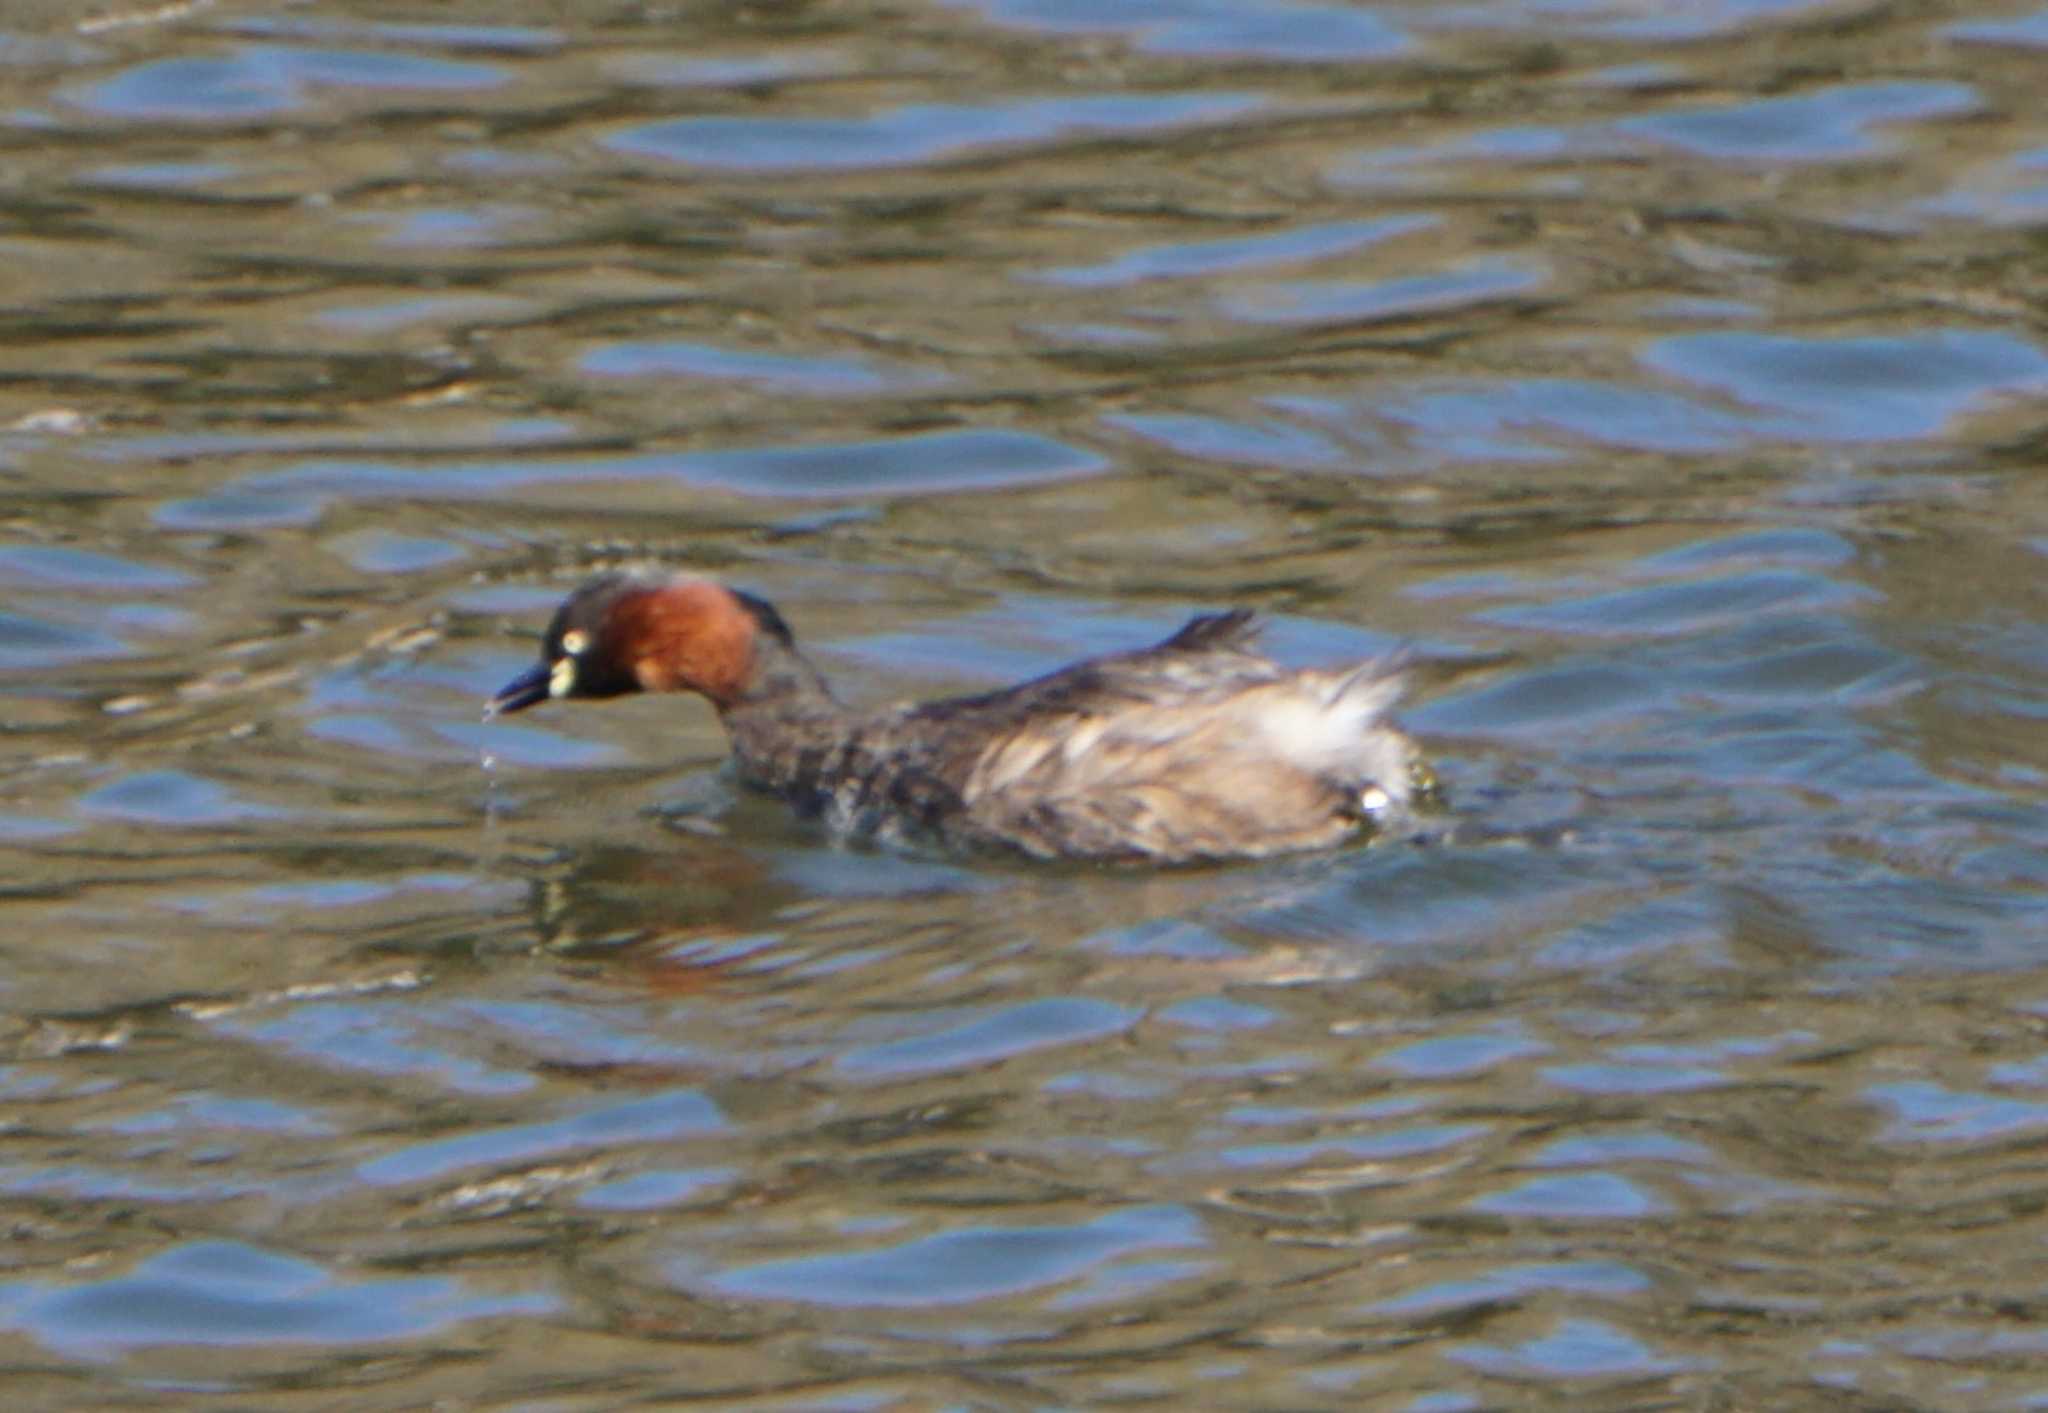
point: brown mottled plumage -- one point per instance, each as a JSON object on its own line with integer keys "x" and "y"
{"x": 1195, "y": 748}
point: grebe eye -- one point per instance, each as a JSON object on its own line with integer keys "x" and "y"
{"x": 575, "y": 641}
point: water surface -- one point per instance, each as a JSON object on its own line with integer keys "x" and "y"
{"x": 1666, "y": 379}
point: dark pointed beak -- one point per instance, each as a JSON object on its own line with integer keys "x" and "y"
{"x": 521, "y": 692}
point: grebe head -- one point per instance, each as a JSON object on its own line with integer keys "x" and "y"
{"x": 620, "y": 633}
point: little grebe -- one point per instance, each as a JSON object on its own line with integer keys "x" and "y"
{"x": 1195, "y": 748}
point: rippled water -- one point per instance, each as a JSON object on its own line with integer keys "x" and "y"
{"x": 1668, "y": 377}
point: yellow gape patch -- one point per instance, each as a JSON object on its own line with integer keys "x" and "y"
{"x": 561, "y": 677}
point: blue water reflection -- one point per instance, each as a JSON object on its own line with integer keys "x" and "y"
{"x": 1619, "y": 19}
{"x": 924, "y": 132}
{"x": 35, "y": 644}
{"x": 174, "y": 798}
{"x": 1402, "y": 297}
{"x": 659, "y": 1188}
{"x": 2011, "y": 191}
{"x": 952, "y": 1268}
{"x": 258, "y": 81}
{"x": 2026, "y": 32}
{"x": 806, "y": 375}
{"x": 1263, "y": 29}
{"x": 1515, "y": 1283}
{"x": 1928, "y": 1112}
{"x": 1250, "y": 443}
{"x": 1196, "y": 259}
{"x": 1541, "y": 418}
{"x": 1456, "y": 1055}
{"x": 1694, "y": 606}
{"x": 377, "y": 1038}
{"x": 506, "y": 39}
{"x": 676, "y": 1114}
{"x": 1574, "y": 1197}
{"x": 1830, "y": 126}
{"x": 1575, "y": 1349}
{"x": 934, "y": 461}
{"x": 1002, "y": 1033}
{"x": 228, "y": 1293}
{"x": 1879, "y": 388}
{"x": 67, "y": 567}
{"x": 1836, "y": 124}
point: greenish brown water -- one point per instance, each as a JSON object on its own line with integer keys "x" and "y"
{"x": 1668, "y": 378}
